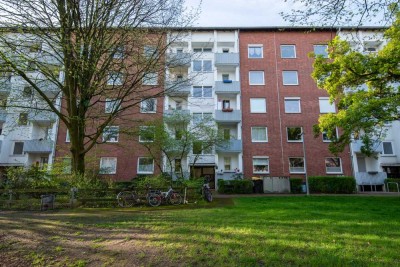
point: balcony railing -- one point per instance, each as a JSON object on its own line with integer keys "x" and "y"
{"x": 203, "y": 160}
{"x": 227, "y": 87}
{"x": 178, "y": 60}
{"x": 233, "y": 146}
{"x": 227, "y": 59}
{"x": 231, "y": 116}
{"x": 370, "y": 178}
{"x": 176, "y": 112}
{"x": 42, "y": 117}
{"x": 357, "y": 144}
{"x": 38, "y": 146}
{"x": 177, "y": 88}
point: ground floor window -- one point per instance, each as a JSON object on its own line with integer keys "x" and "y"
{"x": 296, "y": 165}
{"x": 260, "y": 165}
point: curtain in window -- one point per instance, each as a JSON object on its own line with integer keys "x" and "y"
{"x": 258, "y": 134}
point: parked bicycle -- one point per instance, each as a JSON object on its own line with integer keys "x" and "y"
{"x": 156, "y": 197}
{"x": 128, "y": 199}
{"x": 206, "y": 192}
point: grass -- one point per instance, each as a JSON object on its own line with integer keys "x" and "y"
{"x": 270, "y": 231}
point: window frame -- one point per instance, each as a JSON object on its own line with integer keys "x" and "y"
{"x": 257, "y": 71}
{"x": 142, "y": 108}
{"x": 333, "y": 172}
{"x": 150, "y": 79}
{"x": 255, "y": 46}
{"x": 258, "y": 112}
{"x": 202, "y": 69}
{"x": 104, "y": 134}
{"x": 327, "y": 140}
{"x": 266, "y": 134}
{"x": 323, "y": 100}
{"x": 290, "y": 71}
{"x": 117, "y": 81}
{"x": 260, "y": 172}
{"x": 23, "y": 119}
{"x": 319, "y": 54}
{"x": 22, "y": 148}
{"x": 109, "y": 107}
{"x": 294, "y": 141}
{"x": 288, "y": 45}
{"x": 295, "y": 171}
{"x": 383, "y": 149}
{"x": 144, "y": 172}
{"x": 203, "y": 87}
{"x": 102, "y": 169}
{"x": 293, "y": 99}
{"x": 67, "y": 137}
{"x": 140, "y": 134}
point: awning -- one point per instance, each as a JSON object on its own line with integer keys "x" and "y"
{"x": 390, "y": 164}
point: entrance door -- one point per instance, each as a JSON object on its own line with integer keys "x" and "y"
{"x": 205, "y": 172}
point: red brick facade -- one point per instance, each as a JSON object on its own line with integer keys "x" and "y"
{"x": 278, "y": 149}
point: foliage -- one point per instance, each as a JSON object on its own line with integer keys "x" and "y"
{"x": 392, "y": 187}
{"x": 155, "y": 182}
{"x": 365, "y": 89}
{"x": 235, "y": 186}
{"x": 332, "y": 184}
{"x": 296, "y": 185}
{"x": 89, "y": 51}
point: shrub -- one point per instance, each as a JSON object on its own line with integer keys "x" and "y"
{"x": 235, "y": 186}
{"x": 296, "y": 185}
{"x": 392, "y": 187}
{"x": 332, "y": 184}
{"x": 158, "y": 181}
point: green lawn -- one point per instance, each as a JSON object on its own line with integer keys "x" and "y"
{"x": 270, "y": 231}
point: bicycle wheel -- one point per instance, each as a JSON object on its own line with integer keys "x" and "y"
{"x": 175, "y": 198}
{"x": 126, "y": 199}
{"x": 207, "y": 195}
{"x": 154, "y": 200}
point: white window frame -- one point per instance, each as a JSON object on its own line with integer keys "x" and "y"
{"x": 266, "y": 134}
{"x": 150, "y": 78}
{"x": 67, "y": 137}
{"x": 289, "y": 45}
{"x": 105, "y": 135}
{"x": 260, "y": 157}
{"x": 323, "y": 109}
{"x": 294, "y": 141}
{"x": 333, "y": 172}
{"x": 225, "y": 163}
{"x": 104, "y": 170}
{"x": 327, "y": 140}
{"x": 202, "y": 91}
{"x": 202, "y": 65}
{"x": 119, "y": 52}
{"x": 13, "y": 150}
{"x": 257, "y": 71}
{"x": 296, "y": 171}
{"x": 290, "y": 71}
{"x": 252, "y": 100}
{"x": 255, "y": 46}
{"x": 293, "y": 99}
{"x": 111, "y": 104}
{"x": 383, "y": 149}
{"x": 319, "y": 45}
{"x": 144, "y": 172}
{"x": 143, "y": 106}
{"x": 118, "y": 80}
{"x": 140, "y": 136}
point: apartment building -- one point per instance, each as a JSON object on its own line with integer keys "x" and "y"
{"x": 212, "y": 92}
{"x": 370, "y": 172}
{"x": 28, "y": 128}
{"x": 281, "y": 103}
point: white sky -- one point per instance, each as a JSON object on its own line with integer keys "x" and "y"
{"x": 240, "y": 12}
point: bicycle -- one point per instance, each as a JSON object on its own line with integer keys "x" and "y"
{"x": 157, "y": 197}
{"x": 128, "y": 199}
{"x": 206, "y": 192}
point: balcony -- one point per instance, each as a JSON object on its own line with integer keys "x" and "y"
{"x": 233, "y": 116}
{"x": 232, "y": 146}
{"x": 177, "y": 147}
{"x": 42, "y": 118}
{"x": 203, "y": 160}
{"x": 227, "y": 59}
{"x": 357, "y": 144}
{"x": 38, "y": 146}
{"x": 227, "y": 87}
{"x": 176, "y": 113}
{"x": 178, "y": 60}
{"x": 48, "y": 88}
{"x": 177, "y": 88}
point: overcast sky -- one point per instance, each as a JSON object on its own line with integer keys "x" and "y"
{"x": 240, "y": 12}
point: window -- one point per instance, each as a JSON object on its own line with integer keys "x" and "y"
{"x": 202, "y": 148}
{"x": 325, "y": 137}
{"x": 67, "y": 165}
{"x": 108, "y": 165}
{"x": 387, "y": 148}
{"x": 226, "y": 104}
{"x": 202, "y": 65}
{"x": 148, "y": 105}
{"x": 114, "y": 78}
{"x": 202, "y": 117}
{"x": 290, "y": 77}
{"x": 146, "y": 134}
{"x": 227, "y": 163}
{"x": 18, "y": 148}
{"x": 119, "y": 52}
{"x": 260, "y": 165}
{"x": 178, "y": 165}
{"x": 205, "y": 50}
{"x": 333, "y": 165}
{"x": 258, "y": 105}
{"x": 145, "y": 165}
{"x": 294, "y": 134}
{"x": 225, "y": 50}
{"x": 28, "y": 91}
{"x": 31, "y": 65}
{"x": 112, "y": 105}
{"x": 292, "y": 105}
{"x": 149, "y": 51}
{"x": 296, "y": 165}
{"x": 288, "y": 51}
{"x": 150, "y": 78}
{"x": 256, "y": 77}
{"x": 67, "y": 137}
{"x": 225, "y": 77}
{"x": 259, "y": 134}
{"x": 325, "y": 106}
{"x": 255, "y": 51}
{"x": 35, "y": 47}
{"x": 202, "y": 91}
{"x": 321, "y": 50}
{"x": 226, "y": 133}
{"x": 111, "y": 134}
{"x": 43, "y": 162}
{"x": 23, "y": 119}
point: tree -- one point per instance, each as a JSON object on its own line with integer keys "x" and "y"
{"x": 95, "y": 53}
{"x": 341, "y": 12}
{"x": 179, "y": 136}
{"x": 365, "y": 88}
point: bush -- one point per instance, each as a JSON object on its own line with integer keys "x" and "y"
{"x": 155, "y": 182}
{"x": 235, "y": 186}
{"x": 296, "y": 185}
{"x": 332, "y": 184}
{"x": 392, "y": 187}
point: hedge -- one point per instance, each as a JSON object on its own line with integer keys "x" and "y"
{"x": 235, "y": 186}
{"x": 392, "y": 187}
{"x": 332, "y": 184}
{"x": 296, "y": 185}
